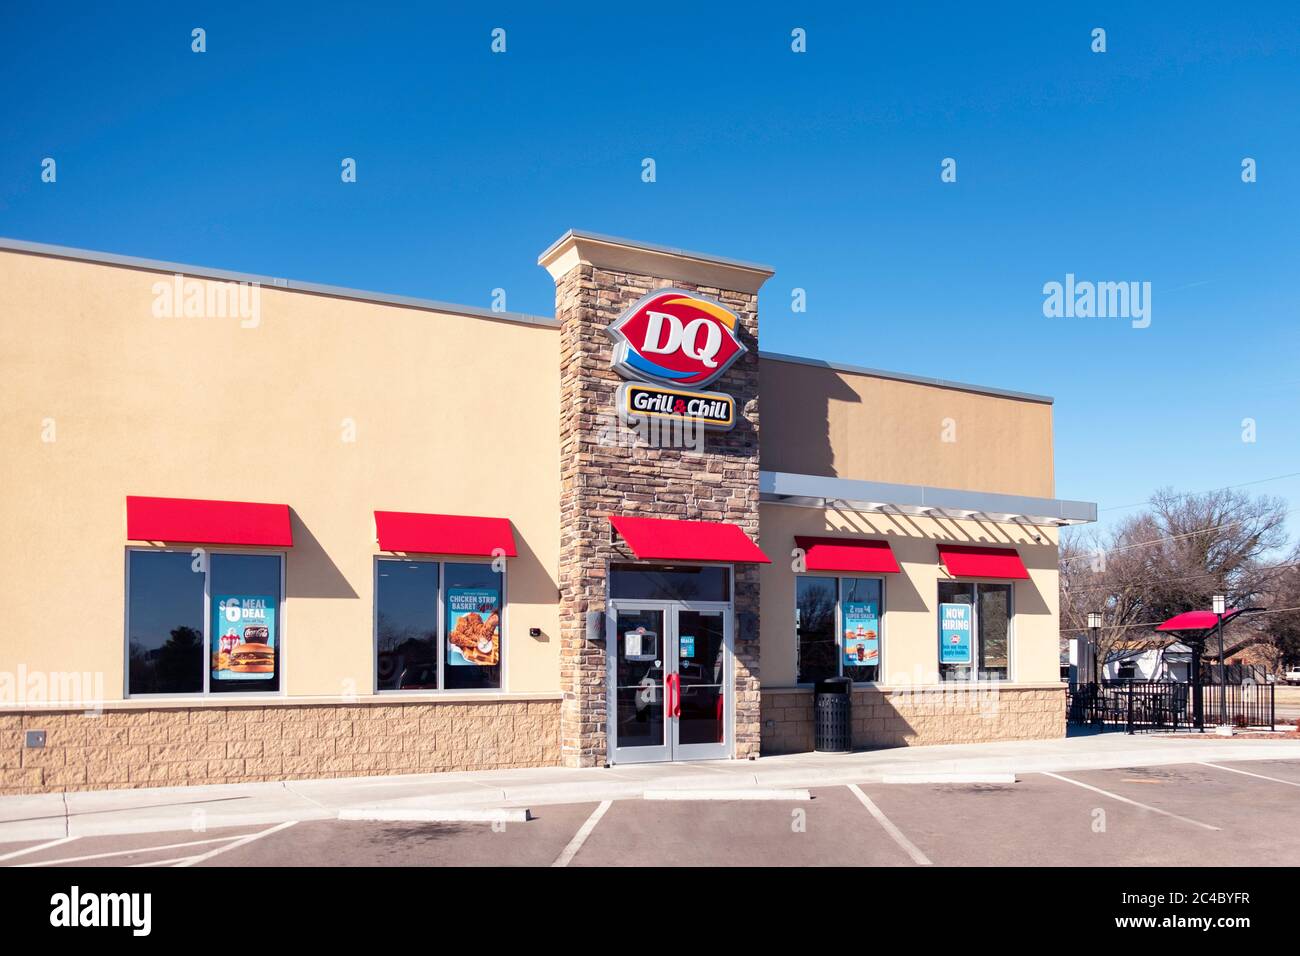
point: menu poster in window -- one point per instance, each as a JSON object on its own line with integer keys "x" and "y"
{"x": 861, "y": 633}
{"x": 244, "y": 642}
{"x": 473, "y": 627}
{"x": 954, "y": 633}
{"x": 640, "y": 645}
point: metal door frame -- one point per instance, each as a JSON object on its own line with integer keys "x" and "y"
{"x": 670, "y": 750}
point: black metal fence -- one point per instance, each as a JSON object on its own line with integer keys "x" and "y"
{"x": 1136, "y": 706}
{"x": 1247, "y": 705}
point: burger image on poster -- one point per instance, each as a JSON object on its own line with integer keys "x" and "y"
{"x": 252, "y": 659}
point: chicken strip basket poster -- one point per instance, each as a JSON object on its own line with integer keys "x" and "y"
{"x": 243, "y": 637}
{"x": 474, "y": 626}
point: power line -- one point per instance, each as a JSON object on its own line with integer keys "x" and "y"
{"x": 1168, "y": 537}
{"x": 1189, "y": 577}
{"x": 1244, "y": 484}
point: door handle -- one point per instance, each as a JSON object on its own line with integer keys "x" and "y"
{"x": 674, "y": 685}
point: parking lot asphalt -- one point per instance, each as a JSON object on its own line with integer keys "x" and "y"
{"x": 1166, "y": 815}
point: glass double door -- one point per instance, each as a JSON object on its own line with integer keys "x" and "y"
{"x": 669, "y": 682}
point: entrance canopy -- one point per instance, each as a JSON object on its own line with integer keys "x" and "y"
{"x": 663, "y": 539}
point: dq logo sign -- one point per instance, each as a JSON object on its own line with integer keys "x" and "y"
{"x": 676, "y": 338}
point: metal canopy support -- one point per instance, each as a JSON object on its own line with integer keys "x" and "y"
{"x": 817, "y": 491}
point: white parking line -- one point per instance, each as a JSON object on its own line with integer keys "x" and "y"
{"x": 1116, "y": 796}
{"x": 580, "y": 837}
{"x": 905, "y": 778}
{"x": 172, "y": 862}
{"x": 1244, "y": 773}
{"x": 238, "y": 843}
{"x": 908, "y": 846}
{"x": 126, "y": 852}
{"x": 39, "y": 846}
{"x": 750, "y": 793}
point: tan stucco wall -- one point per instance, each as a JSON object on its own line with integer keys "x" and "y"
{"x": 453, "y": 414}
{"x": 820, "y": 421}
{"x": 910, "y": 625}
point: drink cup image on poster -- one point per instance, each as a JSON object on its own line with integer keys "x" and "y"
{"x": 244, "y": 640}
{"x": 473, "y": 627}
{"x": 954, "y": 633}
{"x": 861, "y": 633}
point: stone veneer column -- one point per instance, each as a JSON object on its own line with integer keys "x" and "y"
{"x": 603, "y": 473}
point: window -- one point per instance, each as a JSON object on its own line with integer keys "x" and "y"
{"x": 827, "y": 609}
{"x": 415, "y": 602}
{"x": 472, "y": 611}
{"x": 1127, "y": 670}
{"x": 406, "y": 626}
{"x": 164, "y": 623}
{"x": 860, "y": 625}
{"x": 974, "y": 631}
{"x": 814, "y": 624}
{"x": 651, "y": 582}
{"x": 203, "y": 624}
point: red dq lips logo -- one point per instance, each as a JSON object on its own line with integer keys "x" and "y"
{"x": 676, "y": 338}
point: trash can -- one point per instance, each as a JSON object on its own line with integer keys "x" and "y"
{"x": 832, "y": 710}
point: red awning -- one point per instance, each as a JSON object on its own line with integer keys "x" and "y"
{"x": 859, "y": 555}
{"x": 976, "y": 561}
{"x": 444, "y": 534}
{"x": 1196, "y": 620}
{"x": 662, "y": 539}
{"x": 196, "y": 521}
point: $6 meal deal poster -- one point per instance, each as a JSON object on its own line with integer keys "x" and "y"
{"x": 954, "y": 633}
{"x": 243, "y": 637}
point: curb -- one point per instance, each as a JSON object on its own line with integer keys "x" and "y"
{"x": 101, "y": 813}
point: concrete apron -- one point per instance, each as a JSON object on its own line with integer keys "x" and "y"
{"x": 198, "y": 809}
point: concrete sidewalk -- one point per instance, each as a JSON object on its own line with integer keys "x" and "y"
{"x": 91, "y": 813}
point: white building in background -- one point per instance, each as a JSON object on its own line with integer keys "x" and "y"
{"x": 1170, "y": 663}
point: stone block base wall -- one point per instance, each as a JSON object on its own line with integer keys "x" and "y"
{"x": 900, "y": 717}
{"x": 242, "y": 743}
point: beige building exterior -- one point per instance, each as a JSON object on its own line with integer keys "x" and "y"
{"x": 125, "y": 378}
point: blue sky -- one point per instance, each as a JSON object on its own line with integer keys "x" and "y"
{"x": 1122, "y": 166}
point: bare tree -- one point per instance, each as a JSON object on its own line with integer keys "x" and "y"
{"x": 1283, "y": 627}
{"x": 1174, "y": 557}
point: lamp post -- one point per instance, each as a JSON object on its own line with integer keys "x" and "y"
{"x": 1094, "y": 678}
{"x": 1094, "y": 625}
{"x": 1219, "y": 607}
